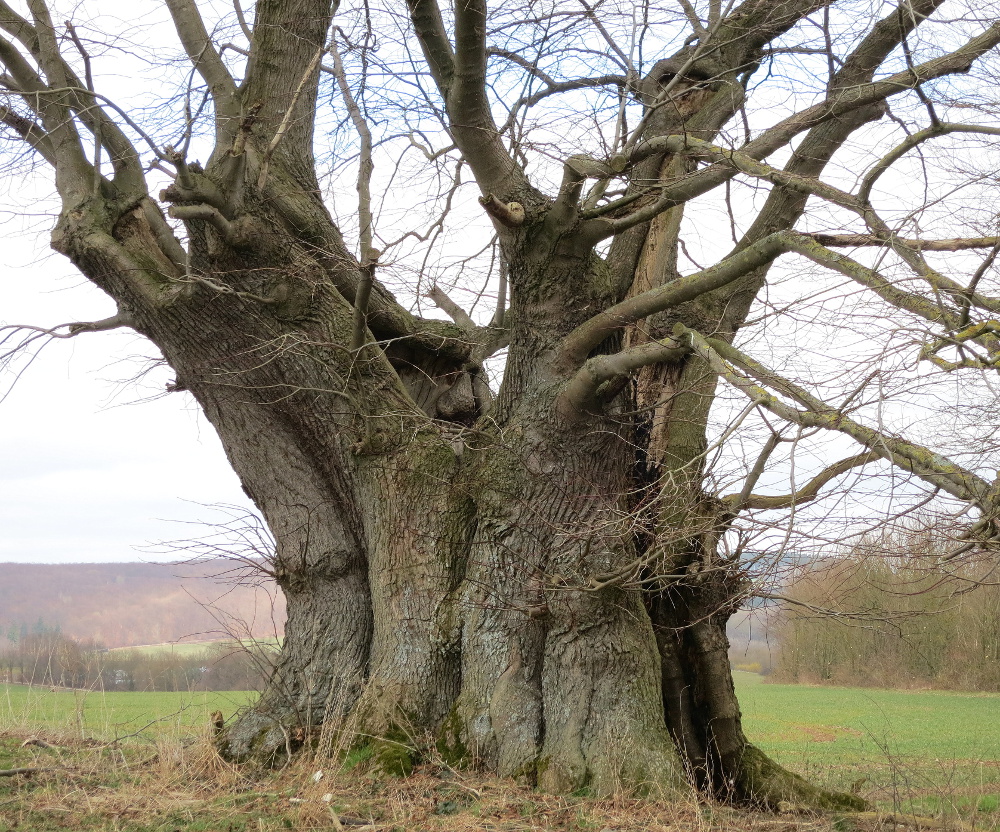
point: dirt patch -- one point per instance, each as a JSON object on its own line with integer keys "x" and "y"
{"x": 817, "y": 733}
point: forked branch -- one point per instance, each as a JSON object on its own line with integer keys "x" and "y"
{"x": 753, "y": 380}
{"x": 206, "y": 61}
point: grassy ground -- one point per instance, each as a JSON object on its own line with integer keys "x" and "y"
{"x": 107, "y": 716}
{"x": 928, "y": 753}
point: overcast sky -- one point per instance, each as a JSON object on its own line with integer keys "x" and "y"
{"x": 91, "y": 468}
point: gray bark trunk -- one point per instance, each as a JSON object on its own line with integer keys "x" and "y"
{"x": 560, "y": 683}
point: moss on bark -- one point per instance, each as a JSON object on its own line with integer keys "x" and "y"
{"x": 762, "y": 782}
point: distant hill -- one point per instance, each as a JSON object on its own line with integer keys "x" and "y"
{"x": 127, "y": 604}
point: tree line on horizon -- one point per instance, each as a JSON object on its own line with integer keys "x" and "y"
{"x": 887, "y": 614}
{"x": 51, "y": 658}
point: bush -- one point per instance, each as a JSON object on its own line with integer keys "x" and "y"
{"x": 887, "y": 615}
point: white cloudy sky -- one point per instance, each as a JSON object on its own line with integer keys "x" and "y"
{"x": 92, "y": 469}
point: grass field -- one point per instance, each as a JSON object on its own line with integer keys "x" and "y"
{"x": 183, "y": 649}
{"x": 926, "y": 752}
{"x": 106, "y": 716}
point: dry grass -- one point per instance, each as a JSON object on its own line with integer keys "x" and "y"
{"x": 175, "y": 783}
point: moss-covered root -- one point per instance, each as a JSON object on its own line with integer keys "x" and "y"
{"x": 762, "y": 782}
{"x": 394, "y": 753}
{"x": 262, "y": 737}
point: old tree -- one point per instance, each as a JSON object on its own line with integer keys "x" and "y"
{"x": 534, "y": 568}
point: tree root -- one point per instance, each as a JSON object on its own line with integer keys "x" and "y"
{"x": 763, "y": 783}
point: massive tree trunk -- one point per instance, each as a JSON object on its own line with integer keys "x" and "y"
{"x": 534, "y": 582}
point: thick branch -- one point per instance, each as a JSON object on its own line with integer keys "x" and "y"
{"x": 74, "y": 174}
{"x": 864, "y": 95}
{"x": 209, "y": 214}
{"x": 32, "y": 133}
{"x": 582, "y": 394}
{"x": 461, "y": 80}
{"x": 846, "y": 101}
{"x": 808, "y": 492}
{"x": 883, "y": 287}
{"x": 311, "y": 70}
{"x": 508, "y": 214}
{"x": 207, "y": 63}
{"x": 587, "y": 336}
{"x": 453, "y": 310}
{"x": 433, "y": 37}
{"x": 361, "y": 300}
{"x": 242, "y": 18}
{"x": 861, "y": 240}
{"x": 282, "y": 80}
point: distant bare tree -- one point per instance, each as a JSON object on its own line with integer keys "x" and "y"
{"x": 538, "y": 574}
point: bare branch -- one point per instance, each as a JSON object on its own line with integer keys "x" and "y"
{"x": 582, "y": 394}
{"x": 501, "y": 310}
{"x": 610, "y": 41}
{"x": 206, "y": 61}
{"x": 31, "y": 132}
{"x": 369, "y": 254}
{"x": 529, "y": 66}
{"x": 693, "y": 19}
{"x": 89, "y": 78}
{"x": 737, "y": 369}
{"x": 73, "y": 171}
{"x": 860, "y": 240}
{"x": 207, "y": 213}
{"x": 365, "y": 164}
{"x": 71, "y": 330}
{"x": 508, "y": 214}
{"x": 454, "y": 311}
{"x": 587, "y": 336}
{"x": 286, "y": 120}
{"x": 461, "y": 80}
{"x": 808, "y": 492}
{"x": 241, "y": 17}
{"x": 936, "y": 129}
{"x": 433, "y": 37}
{"x": 851, "y": 99}
{"x": 361, "y": 300}
{"x": 739, "y": 501}
{"x": 557, "y": 87}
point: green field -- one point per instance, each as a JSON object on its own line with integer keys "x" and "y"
{"x": 107, "y": 716}
{"x": 930, "y": 751}
{"x": 184, "y": 649}
{"x": 927, "y": 750}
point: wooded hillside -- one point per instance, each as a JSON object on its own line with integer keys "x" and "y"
{"x": 128, "y": 604}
